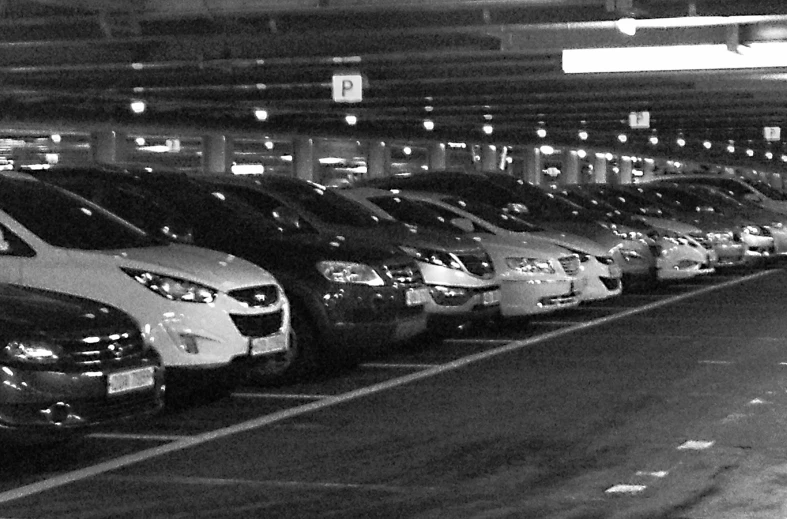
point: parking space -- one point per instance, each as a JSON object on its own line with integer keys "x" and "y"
{"x": 209, "y": 413}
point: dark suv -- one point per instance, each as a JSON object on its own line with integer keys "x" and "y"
{"x": 70, "y": 363}
{"x": 346, "y": 297}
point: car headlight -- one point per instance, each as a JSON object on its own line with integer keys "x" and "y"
{"x": 530, "y": 265}
{"x": 435, "y": 257}
{"x": 348, "y": 272}
{"x": 777, "y": 225}
{"x": 720, "y": 236}
{"x": 173, "y": 288}
{"x": 752, "y": 229}
{"x": 33, "y": 351}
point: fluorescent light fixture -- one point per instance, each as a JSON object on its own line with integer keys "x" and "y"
{"x": 248, "y": 169}
{"x": 428, "y": 125}
{"x": 622, "y": 137}
{"x": 351, "y": 120}
{"x": 654, "y": 140}
{"x": 260, "y": 114}
{"x": 627, "y": 26}
{"x": 750, "y": 152}
{"x": 582, "y": 154}
{"x": 140, "y": 141}
{"x": 681, "y": 141}
{"x": 769, "y": 155}
{"x": 488, "y": 117}
{"x": 488, "y": 129}
{"x": 55, "y": 137}
{"x": 331, "y": 161}
{"x": 546, "y": 149}
{"x": 428, "y": 108}
{"x": 407, "y": 150}
{"x": 707, "y": 145}
{"x": 138, "y": 106}
{"x": 674, "y": 57}
{"x": 269, "y": 145}
{"x": 583, "y": 135}
{"x": 541, "y": 132}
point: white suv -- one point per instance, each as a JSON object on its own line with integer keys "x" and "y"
{"x": 197, "y": 307}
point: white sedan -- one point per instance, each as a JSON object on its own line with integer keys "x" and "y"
{"x": 198, "y": 308}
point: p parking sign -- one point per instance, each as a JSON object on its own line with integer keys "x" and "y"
{"x": 347, "y": 88}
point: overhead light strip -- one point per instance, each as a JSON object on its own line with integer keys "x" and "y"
{"x": 674, "y": 57}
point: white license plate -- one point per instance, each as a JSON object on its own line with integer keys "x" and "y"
{"x": 262, "y": 346}
{"x": 416, "y": 296}
{"x": 490, "y": 298}
{"x": 132, "y": 380}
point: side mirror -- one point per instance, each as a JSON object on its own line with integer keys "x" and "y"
{"x": 463, "y": 223}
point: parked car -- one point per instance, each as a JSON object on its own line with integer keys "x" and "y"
{"x": 758, "y": 221}
{"x": 458, "y": 271}
{"x": 201, "y": 310}
{"x": 347, "y": 298}
{"x": 536, "y": 275}
{"x": 756, "y": 239}
{"x": 741, "y": 189}
{"x": 726, "y": 250}
{"x": 636, "y": 258}
{"x": 680, "y": 256}
{"x": 68, "y": 364}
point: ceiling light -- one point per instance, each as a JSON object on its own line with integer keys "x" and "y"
{"x": 138, "y": 106}
{"x": 261, "y": 114}
{"x": 750, "y": 152}
{"x": 488, "y": 129}
{"x": 609, "y": 156}
{"x": 269, "y": 145}
{"x": 581, "y": 154}
{"x": 622, "y": 137}
{"x": 769, "y": 155}
{"x": 583, "y": 135}
{"x": 681, "y": 141}
{"x": 673, "y": 57}
{"x": 428, "y": 125}
{"x": 541, "y": 132}
{"x": 428, "y": 108}
{"x": 654, "y": 140}
{"x": 627, "y": 26}
{"x": 546, "y": 149}
{"x": 707, "y": 145}
{"x": 140, "y": 141}
{"x": 55, "y": 137}
{"x": 784, "y": 158}
{"x": 351, "y": 119}
{"x": 731, "y": 148}
{"x": 487, "y": 117}
{"x": 407, "y": 150}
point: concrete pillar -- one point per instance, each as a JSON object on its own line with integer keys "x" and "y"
{"x": 533, "y": 167}
{"x": 647, "y": 170}
{"x": 600, "y": 169}
{"x": 217, "y": 154}
{"x": 378, "y": 162}
{"x": 489, "y": 157}
{"x": 624, "y": 175}
{"x": 437, "y": 156}
{"x": 303, "y": 158}
{"x": 108, "y": 146}
{"x": 570, "y": 171}
{"x": 518, "y": 167}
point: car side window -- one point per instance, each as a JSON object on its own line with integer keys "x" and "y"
{"x": 13, "y": 245}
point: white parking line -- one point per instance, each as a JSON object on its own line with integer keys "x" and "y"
{"x": 476, "y": 341}
{"x": 256, "y": 423}
{"x": 151, "y": 437}
{"x": 555, "y": 323}
{"x": 393, "y": 365}
{"x": 287, "y": 396}
{"x": 312, "y": 485}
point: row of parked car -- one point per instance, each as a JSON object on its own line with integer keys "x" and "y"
{"x": 122, "y": 283}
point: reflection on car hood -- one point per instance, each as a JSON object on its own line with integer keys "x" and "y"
{"x": 511, "y": 244}
{"x": 670, "y": 225}
{"x": 396, "y": 233}
{"x": 32, "y": 311}
{"x": 575, "y": 242}
{"x": 216, "y": 269}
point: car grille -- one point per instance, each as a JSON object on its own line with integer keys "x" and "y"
{"x": 102, "y": 350}
{"x": 258, "y": 325}
{"x": 256, "y": 297}
{"x": 570, "y": 264}
{"x": 478, "y": 263}
{"x": 404, "y": 274}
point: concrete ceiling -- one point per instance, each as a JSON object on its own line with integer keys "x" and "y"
{"x": 207, "y": 64}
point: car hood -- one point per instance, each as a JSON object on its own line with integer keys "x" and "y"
{"x": 37, "y": 312}
{"x": 592, "y": 231}
{"x": 513, "y": 244}
{"x": 574, "y": 242}
{"x": 397, "y": 233}
{"x": 669, "y": 225}
{"x": 216, "y": 269}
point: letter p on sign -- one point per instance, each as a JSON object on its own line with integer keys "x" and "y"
{"x": 347, "y": 88}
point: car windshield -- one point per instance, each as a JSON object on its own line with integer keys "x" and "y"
{"x": 766, "y": 189}
{"x": 414, "y": 212}
{"x": 677, "y": 199}
{"x": 64, "y": 220}
{"x": 631, "y": 202}
{"x": 506, "y": 218}
{"x": 323, "y": 203}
